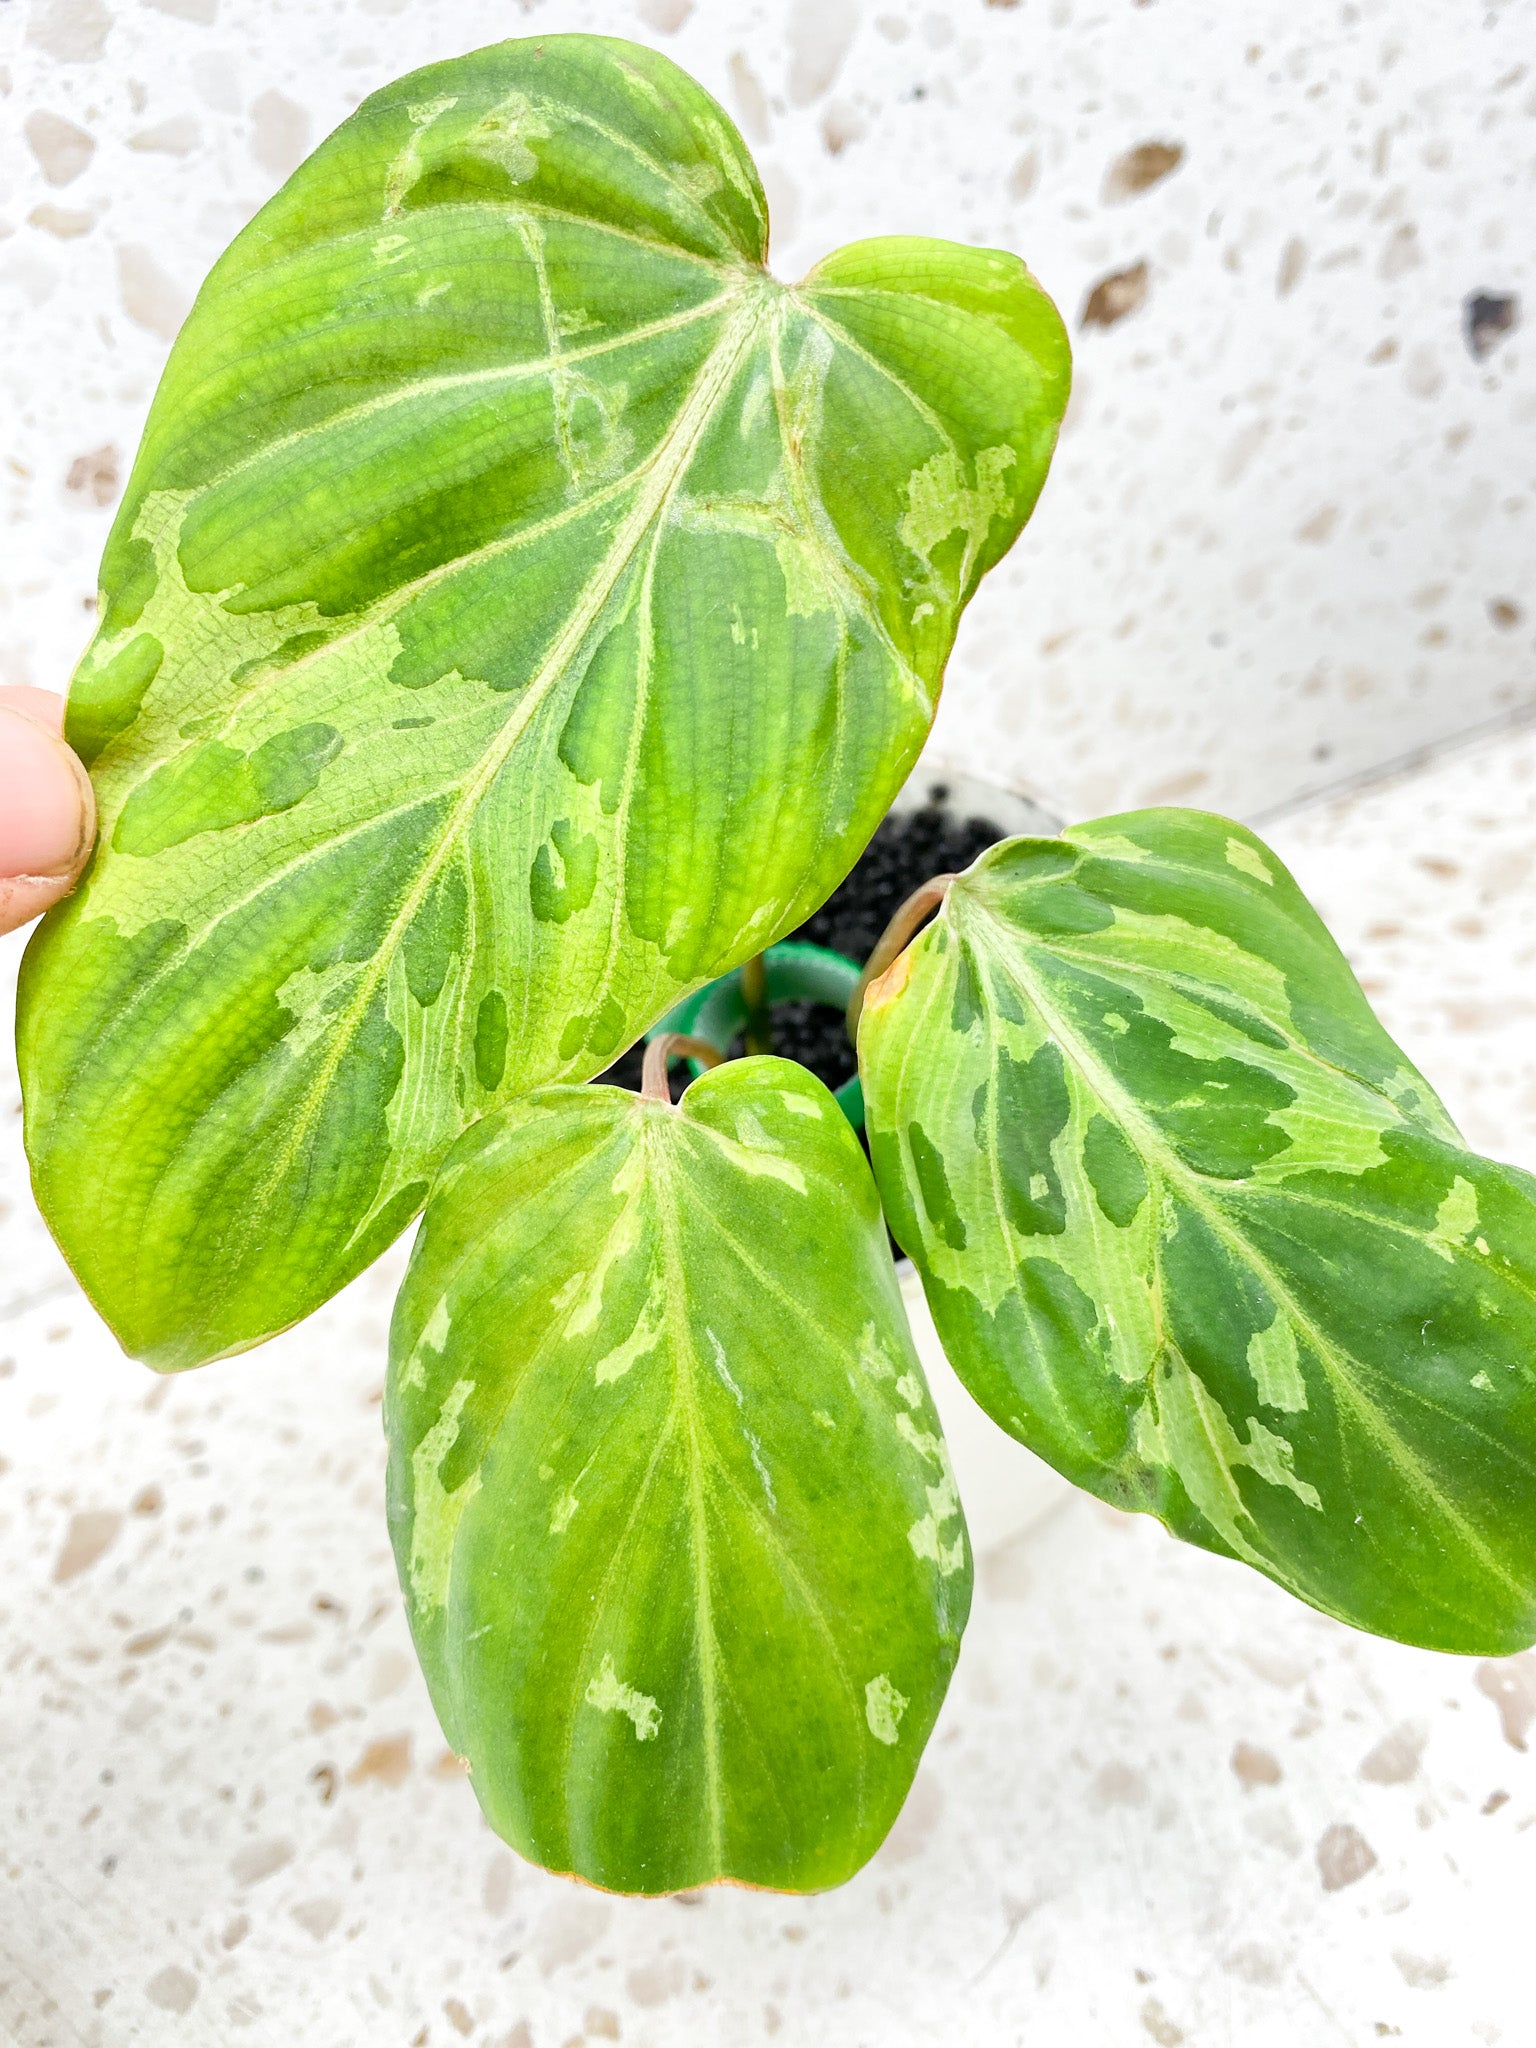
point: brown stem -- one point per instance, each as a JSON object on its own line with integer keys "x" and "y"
{"x": 917, "y": 909}
{"x": 758, "y": 1033}
{"x": 659, "y": 1054}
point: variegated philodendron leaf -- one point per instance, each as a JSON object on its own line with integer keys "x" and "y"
{"x": 522, "y": 609}
{"x": 670, "y": 1501}
{"x": 1194, "y": 1230}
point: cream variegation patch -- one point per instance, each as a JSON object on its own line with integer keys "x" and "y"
{"x": 610, "y": 1695}
{"x": 435, "y": 1512}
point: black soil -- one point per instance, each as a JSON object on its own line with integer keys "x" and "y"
{"x": 906, "y": 851}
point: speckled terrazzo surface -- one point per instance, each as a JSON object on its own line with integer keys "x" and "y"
{"x": 1288, "y": 539}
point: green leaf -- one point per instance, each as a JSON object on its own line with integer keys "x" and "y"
{"x": 670, "y": 1501}
{"x": 522, "y": 609}
{"x": 1193, "y": 1229}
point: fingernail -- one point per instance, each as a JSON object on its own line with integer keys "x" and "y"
{"x": 43, "y": 804}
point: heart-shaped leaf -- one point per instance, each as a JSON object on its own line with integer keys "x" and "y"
{"x": 522, "y": 609}
{"x": 1193, "y": 1229}
{"x": 670, "y": 1501}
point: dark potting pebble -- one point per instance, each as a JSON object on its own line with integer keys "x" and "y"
{"x": 907, "y": 850}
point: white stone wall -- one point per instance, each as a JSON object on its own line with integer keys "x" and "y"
{"x": 1291, "y": 530}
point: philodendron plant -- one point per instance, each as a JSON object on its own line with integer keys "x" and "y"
{"x": 522, "y": 611}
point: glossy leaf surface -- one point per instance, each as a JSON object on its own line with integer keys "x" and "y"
{"x": 522, "y": 608}
{"x": 670, "y": 1501}
{"x": 1193, "y": 1229}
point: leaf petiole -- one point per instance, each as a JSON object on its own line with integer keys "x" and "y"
{"x": 660, "y": 1053}
{"x": 758, "y": 1032}
{"x": 903, "y": 927}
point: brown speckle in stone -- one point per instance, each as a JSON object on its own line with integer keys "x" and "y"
{"x": 90, "y": 1533}
{"x": 172, "y": 1989}
{"x": 460, "y": 2017}
{"x": 1395, "y": 1759}
{"x": 1159, "y": 2026}
{"x": 1293, "y": 261}
{"x": 1510, "y": 1682}
{"x": 151, "y": 300}
{"x": 177, "y": 137}
{"x": 1025, "y": 174}
{"x": 235, "y": 1932}
{"x": 1254, "y": 1965}
{"x": 72, "y": 31}
{"x": 667, "y": 15}
{"x": 1494, "y": 1801}
{"x": 388, "y": 1761}
{"x": 1114, "y": 297}
{"x": 1139, "y": 169}
{"x": 149, "y": 1500}
{"x": 392, "y": 1668}
{"x": 1343, "y": 1856}
{"x": 1424, "y": 1973}
{"x": 1005, "y": 1570}
{"x": 1318, "y": 528}
{"x": 279, "y": 134}
{"x": 323, "y": 1778}
{"x": 496, "y": 1892}
{"x": 1251, "y": 1766}
{"x": 841, "y": 124}
{"x": 288, "y": 1632}
{"x": 654, "y": 1983}
{"x": 150, "y": 1640}
{"x": 1422, "y": 372}
{"x": 1505, "y": 613}
{"x": 1486, "y": 318}
{"x": 62, "y": 150}
{"x": 450, "y": 1766}
{"x": 65, "y": 222}
{"x": 599, "y": 2024}
{"x": 1402, "y": 252}
{"x": 520, "y": 2037}
{"x": 260, "y": 1860}
{"x": 1174, "y": 788}
{"x": 1116, "y": 1784}
{"x": 317, "y": 1916}
{"x": 751, "y": 100}
{"x": 820, "y": 32}
{"x": 322, "y": 1717}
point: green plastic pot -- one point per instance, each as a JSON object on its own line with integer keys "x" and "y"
{"x": 794, "y": 973}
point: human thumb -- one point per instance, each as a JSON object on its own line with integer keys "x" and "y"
{"x": 47, "y": 809}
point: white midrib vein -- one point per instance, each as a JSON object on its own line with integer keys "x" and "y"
{"x": 668, "y": 467}
{"x": 1152, "y": 1144}
{"x": 686, "y": 1403}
